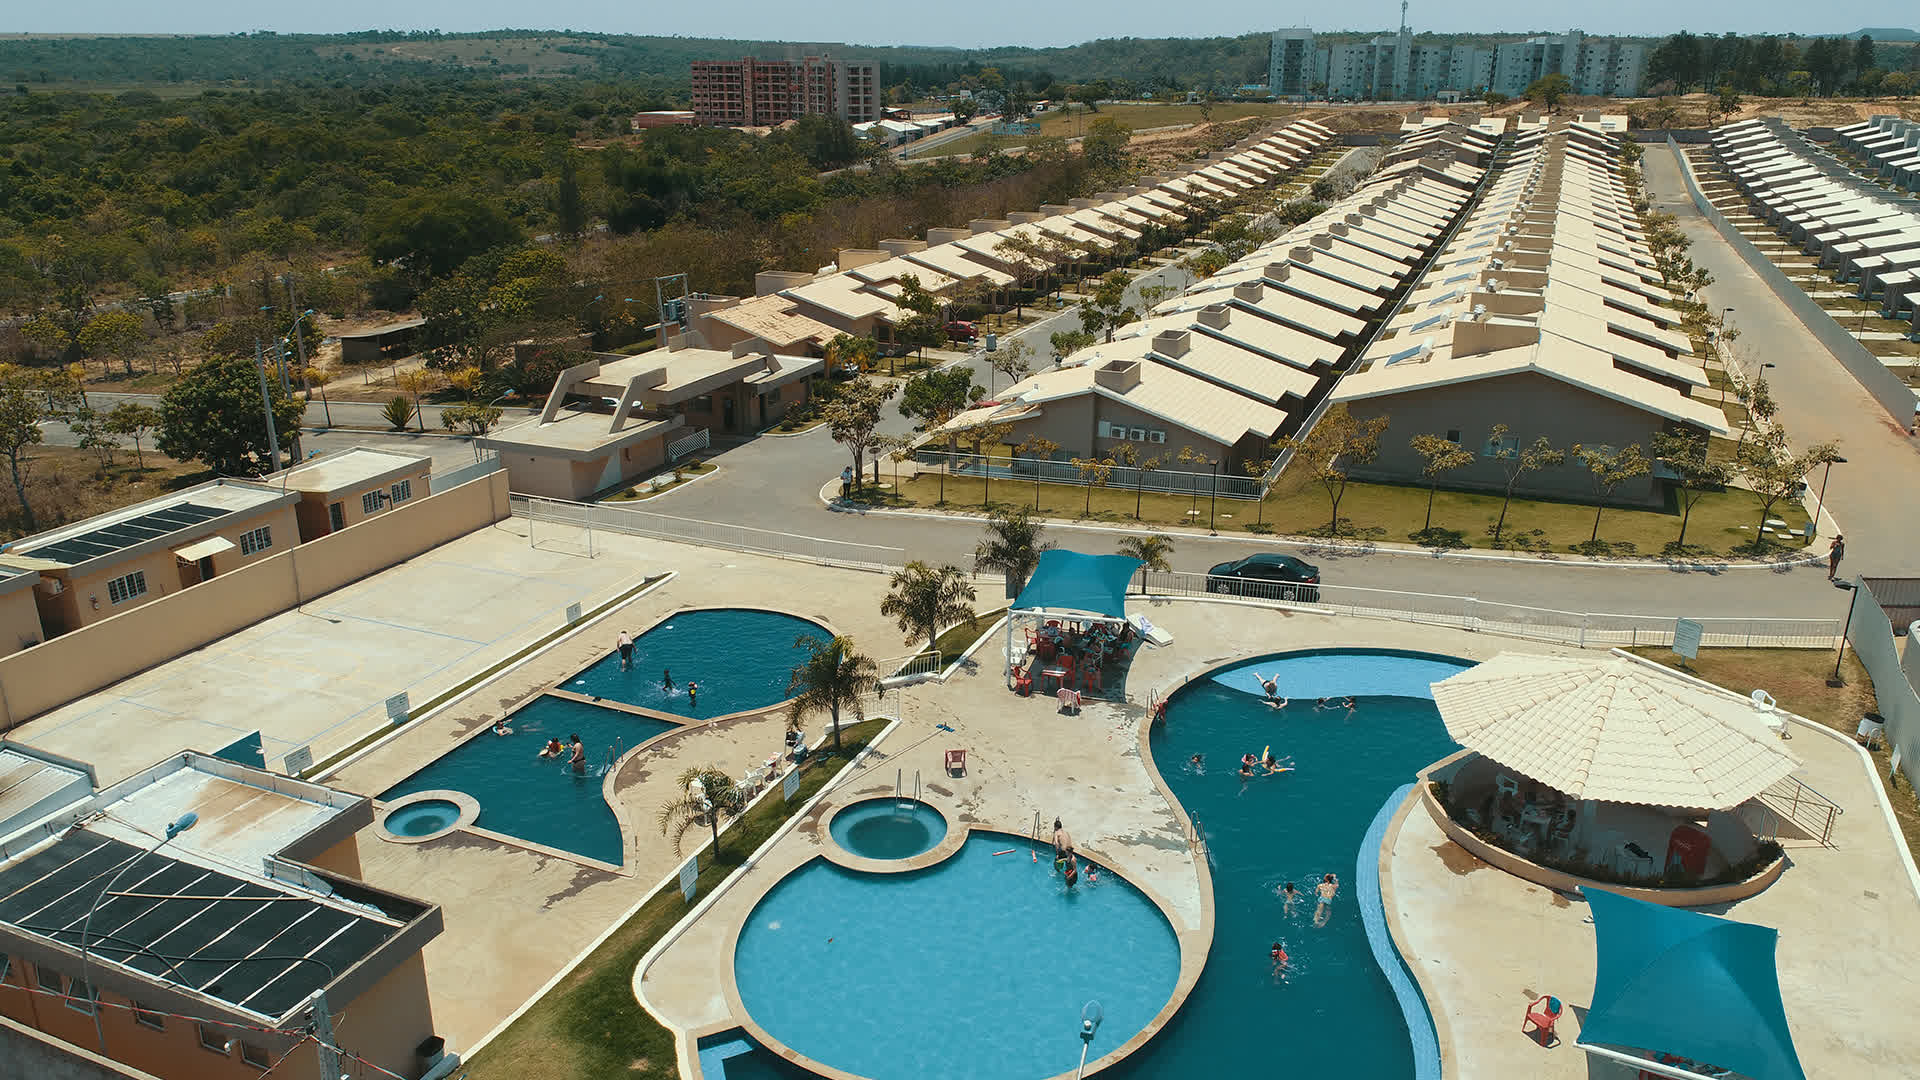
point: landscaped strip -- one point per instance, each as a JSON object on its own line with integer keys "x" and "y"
{"x": 589, "y": 1026}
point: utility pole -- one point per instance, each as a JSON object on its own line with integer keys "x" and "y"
{"x": 266, "y": 401}
{"x": 323, "y": 1036}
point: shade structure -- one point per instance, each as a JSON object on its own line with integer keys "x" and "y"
{"x": 1687, "y": 983}
{"x": 1070, "y": 583}
{"x": 1613, "y": 728}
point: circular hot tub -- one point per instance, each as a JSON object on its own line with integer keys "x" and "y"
{"x": 428, "y": 815}
{"x": 888, "y": 828}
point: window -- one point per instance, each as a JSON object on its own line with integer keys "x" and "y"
{"x": 81, "y": 996}
{"x": 50, "y": 980}
{"x": 370, "y": 502}
{"x": 147, "y": 1018}
{"x": 256, "y": 540}
{"x": 212, "y": 1039}
{"x": 402, "y": 491}
{"x": 255, "y": 1056}
{"x": 6, "y": 966}
{"x": 1453, "y": 436}
{"x": 1502, "y": 448}
{"x": 336, "y": 516}
{"x": 127, "y": 587}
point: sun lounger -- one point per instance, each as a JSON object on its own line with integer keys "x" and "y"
{"x": 1150, "y": 633}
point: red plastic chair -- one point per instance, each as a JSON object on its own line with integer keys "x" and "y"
{"x": 1542, "y": 1015}
{"x": 956, "y": 763}
{"x": 1023, "y": 681}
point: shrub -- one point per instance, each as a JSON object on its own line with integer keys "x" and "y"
{"x": 399, "y": 412}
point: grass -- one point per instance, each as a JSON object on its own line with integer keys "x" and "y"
{"x": 1797, "y": 679}
{"x": 958, "y": 639}
{"x": 683, "y": 474}
{"x": 590, "y": 1025}
{"x": 66, "y": 484}
{"x": 1376, "y": 511}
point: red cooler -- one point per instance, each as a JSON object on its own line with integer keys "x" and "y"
{"x": 1687, "y": 850}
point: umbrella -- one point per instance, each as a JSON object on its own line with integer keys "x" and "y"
{"x": 1613, "y": 728}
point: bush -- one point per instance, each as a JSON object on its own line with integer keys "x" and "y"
{"x": 399, "y": 412}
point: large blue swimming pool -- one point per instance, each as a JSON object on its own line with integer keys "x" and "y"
{"x": 973, "y": 969}
{"x": 741, "y": 658}
{"x": 533, "y": 798}
{"x": 1332, "y": 1014}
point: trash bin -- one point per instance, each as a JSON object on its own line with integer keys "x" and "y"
{"x": 1872, "y": 731}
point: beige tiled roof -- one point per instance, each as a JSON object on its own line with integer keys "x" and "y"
{"x": 1613, "y": 728}
{"x": 775, "y": 320}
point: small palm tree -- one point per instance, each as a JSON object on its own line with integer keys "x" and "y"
{"x": 719, "y": 795}
{"x": 1012, "y": 546}
{"x": 1152, "y": 551}
{"x": 832, "y": 679}
{"x": 923, "y": 598}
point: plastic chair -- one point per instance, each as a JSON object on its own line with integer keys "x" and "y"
{"x": 1542, "y": 1015}
{"x": 1506, "y": 785}
{"x": 1023, "y": 681}
{"x": 956, "y": 763}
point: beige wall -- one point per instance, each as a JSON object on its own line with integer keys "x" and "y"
{"x": 386, "y": 1022}
{"x": 133, "y": 640}
{"x": 316, "y": 521}
{"x": 563, "y": 478}
{"x": 19, "y": 620}
{"x": 1073, "y": 424}
{"x": 1531, "y": 406}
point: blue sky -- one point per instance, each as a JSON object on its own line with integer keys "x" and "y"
{"x": 974, "y": 23}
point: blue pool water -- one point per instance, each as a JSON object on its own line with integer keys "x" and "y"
{"x": 887, "y": 828}
{"x": 536, "y": 799}
{"x": 1333, "y": 1013}
{"x": 421, "y": 818}
{"x": 973, "y": 969}
{"x": 741, "y": 658}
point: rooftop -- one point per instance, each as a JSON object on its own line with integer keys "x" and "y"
{"x": 349, "y": 468}
{"x": 172, "y": 518}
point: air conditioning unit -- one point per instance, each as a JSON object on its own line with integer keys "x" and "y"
{"x": 1137, "y": 434}
{"x": 1157, "y": 436}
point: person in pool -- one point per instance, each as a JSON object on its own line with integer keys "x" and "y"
{"x": 625, "y": 642}
{"x": 693, "y": 693}
{"x": 500, "y": 727}
{"x": 579, "y": 757}
{"x": 1322, "y": 703}
{"x": 1288, "y": 895}
{"x": 1198, "y": 762}
{"x": 1269, "y": 684}
{"x": 1062, "y": 842}
{"x": 1279, "y": 956}
{"x": 553, "y": 749}
{"x": 1275, "y": 765}
{"x": 1247, "y": 762}
{"x": 1073, "y": 872}
{"x": 666, "y": 680}
{"x": 1347, "y": 704}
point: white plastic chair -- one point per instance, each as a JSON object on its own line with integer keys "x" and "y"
{"x": 1610, "y": 846}
{"x": 1506, "y": 785}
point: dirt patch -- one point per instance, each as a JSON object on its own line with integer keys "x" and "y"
{"x": 1458, "y": 859}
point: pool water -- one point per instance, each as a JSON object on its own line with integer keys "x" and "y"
{"x": 537, "y": 799}
{"x": 741, "y": 658}
{"x": 888, "y": 828}
{"x": 1333, "y": 1013}
{"x": 975, "y": 968}
{"x": 421, "y": 818}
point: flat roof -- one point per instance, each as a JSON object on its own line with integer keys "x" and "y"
{"x": 33, "y": 783}
{"x": 197, "y": 510}
{"x": 383, "y": 329}
{"x": 348, "y": 468}
{"x": 578, "y": 433}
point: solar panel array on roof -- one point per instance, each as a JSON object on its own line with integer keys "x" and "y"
{"x": 125, "y": 534}
{"x": 241, "y": 942}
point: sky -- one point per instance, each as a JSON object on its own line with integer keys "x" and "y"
{"x": 973, "y": 24}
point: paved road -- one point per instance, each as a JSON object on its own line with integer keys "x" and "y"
{"x": 1819, "y": 400}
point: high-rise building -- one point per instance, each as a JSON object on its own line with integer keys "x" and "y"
{"x": 1290, "y": 67}
{"x": 1392, "y": 67}
{"x": 760, "y": 93}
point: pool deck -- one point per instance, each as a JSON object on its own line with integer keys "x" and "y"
{"x": 1484, "y": 944}
{"x": 1025, "y": 758}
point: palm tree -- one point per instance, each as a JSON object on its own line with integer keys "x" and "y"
{"x": 716, "y": 795}
{"x": 923, "y": 599}
{"x": 1012, "y": 546}
{"x": 1152, "y": 551}
{"x": 833, "y": 678}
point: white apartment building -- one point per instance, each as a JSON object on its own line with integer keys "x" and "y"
{"x": 1393, "y": 67}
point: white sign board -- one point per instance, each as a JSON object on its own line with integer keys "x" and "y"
{"x": 397, "y": 708}
{"x": 1686, "y": 638}
{"x": 689, "y": 877}
{"x": 298, "y": 761}
{"x": 790, "y": 786}
{"x": 573, "y": 614}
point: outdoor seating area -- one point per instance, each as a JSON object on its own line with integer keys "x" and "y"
{"x": 1074, "y": 656}
{"x": 1075, "y": 638}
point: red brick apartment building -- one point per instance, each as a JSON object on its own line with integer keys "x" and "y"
{"x": 761, "y": 93}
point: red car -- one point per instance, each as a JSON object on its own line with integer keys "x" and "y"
{"x": 958, "y": 330}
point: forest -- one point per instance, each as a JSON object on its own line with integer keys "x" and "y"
{"x": 1774, "y": 65}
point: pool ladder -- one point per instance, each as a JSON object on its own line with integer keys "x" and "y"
{"x": 613, "y": 755}
{"x": 899, "y": 784}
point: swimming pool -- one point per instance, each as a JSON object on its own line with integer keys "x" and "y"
{"x": 1333, "y": 1013}
{"x": 975, "y": 968}
{"x": 887, "y": 828}
{"x": 524, "y": 795}
{"x": 742, "y": 658}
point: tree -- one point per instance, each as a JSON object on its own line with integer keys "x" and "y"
{"x": 91, "y": 429}
{"x": 214, "y": 414}
{"x": 1028, "y": 256}
{"x": 1330, "y": 447}
{"x": 922, "y": 599}
{"x": 20, "y": 416}
{"x": 853, "y": 417}
{"x": 569, "y": 209}
{"x": 962, "y": 109}
{"x": 922, "y": 325}
{"x": 415, "y": 382}
{"x": 846, "y": 350}
{"x": 432, "y": 233}
{"x": 317, "y": 378}
{"x": 1515, "y": 463}
{"x": 1441, "y": 456}
{"x": 933, "y": 397}
{"x": 1610, "y": 469}
{"x": 1067, "y": 342}
{"x": 1684, "y": 454}
{"x": 1152, "y": 550}
{"x": 1094, "y": 472}
{"x": 133, "y": 420}
{"x": 1012, "y": 360}
{"x": 113, "y": 333}
{"x": 1104, "y": 149}
{"x": 983, "y": 437}
{"x": 1106, "y": 310}
{"x": 1549, "y": 90}
{"x": 1775, "y": 473}
{"x": 835, "y": 678}
{"x": 1726, "y": 102}
{"x": 1012, "y": 546}
{"x": 473, "y": 419}
{"x": 1205, "y": 264}
{"x": 1256, "y": 469}
{"x": 1042, "y": 449}
{"x": 475, "y": 316}
{"x": 705, "y": 793}
{"x": 1863, "y": 55}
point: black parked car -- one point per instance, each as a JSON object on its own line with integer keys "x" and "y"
{"x": 1267, "y": 576}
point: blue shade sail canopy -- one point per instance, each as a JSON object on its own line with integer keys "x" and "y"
{"x": 1068, "y": 582}
{"x": 1686, "y": 983}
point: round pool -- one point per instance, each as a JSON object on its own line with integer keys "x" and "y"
{"x": 423, "y": 818}
{"x": 888, "y": 828}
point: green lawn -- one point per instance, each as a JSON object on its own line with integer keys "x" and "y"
{"x": 1374, "y": 511}
{"x": 961, "y": 638}
{"x": 590, "y": 1027}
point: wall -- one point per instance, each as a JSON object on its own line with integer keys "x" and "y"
{"x": 1532, "y": 405}
{"x": 27, "y": 1053}
{"x": 1872, "y": 638}
{"x": 1872, "y": 375}
{"x": 388, "y": 1021}
{"x": 71, "y": 666}
{"x": 19, "y": 620}
{"x": 351, "y": 506}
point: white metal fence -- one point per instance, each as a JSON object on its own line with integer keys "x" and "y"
{"x": 687, "y": 444}
{"x": 1164, "y": 481}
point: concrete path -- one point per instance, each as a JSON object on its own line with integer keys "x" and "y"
{"x": 1819, "y": 400}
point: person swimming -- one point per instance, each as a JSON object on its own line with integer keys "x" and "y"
{"x": 1073, "y": 872}
{"x": 1275, "y": 765}
{"x": 1321, "y": 703}
{"x": 693, "y": 692}
{"x": 1288, "y": 896}
{"x": 500, "y": 727}
{"x": 1093, "y": 874}
{"x": 1279, "y": 956}
{"x": 1247, "y": 762}
{"x": 666, "y": 680}
{"x": 1324, "y": 893}
{"x": 1269, "y": 684}
{"x": 553, "y": 749}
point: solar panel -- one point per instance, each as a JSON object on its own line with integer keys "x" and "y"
{"x": 241, "y": 942}
{"x": 125, "y": 534}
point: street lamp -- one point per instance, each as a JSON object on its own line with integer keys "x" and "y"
{"x": 1213, "y": 498}
{"x": 185, "y": 822}
{"x": 1820, "y": 503}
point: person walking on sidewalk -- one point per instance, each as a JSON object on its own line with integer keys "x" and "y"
{"x": 1835, "y": 552}
{"x": 846, "y": 482}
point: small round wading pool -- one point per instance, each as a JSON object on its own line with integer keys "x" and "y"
{"x": 423, "y": 818}
{"x": 888, "y": 828}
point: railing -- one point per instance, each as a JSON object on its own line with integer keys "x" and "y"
{"x": 926, "y": 662}
{"x": 1577, "y": 628}
{"x": 1122, "y": 477}
{"x": 1811, "y": 811}
{"x": 687, "y": 444}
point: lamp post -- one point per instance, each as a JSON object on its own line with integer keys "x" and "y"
{"x": 1820, "y": 502}
{"x": 186, "y": 821}
{"x": 1213, "y": 498}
